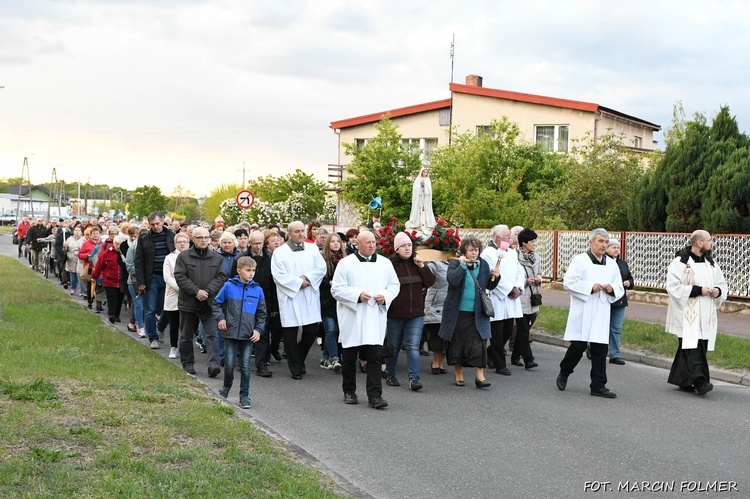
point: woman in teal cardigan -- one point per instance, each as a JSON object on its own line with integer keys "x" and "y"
{"x": 465, "y": 326}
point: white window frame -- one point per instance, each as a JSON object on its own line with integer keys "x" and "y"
{"x": 556, "y": 138}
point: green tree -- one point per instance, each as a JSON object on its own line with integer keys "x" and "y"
{"x": 212, "y": 204}
{"x": 299, "y": 189}
{"x": 597, "y": 186}
{"x": 484, "y": 179}
{"x": 701, "y": 174}
{"x": 383, "y": 167}
{"x": 146, "y": 199}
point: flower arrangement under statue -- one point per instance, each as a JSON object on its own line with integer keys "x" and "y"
{"x": 440, "y": 245}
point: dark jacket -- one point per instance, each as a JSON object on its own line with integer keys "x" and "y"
{"x": 456, "y": 275}
{"x": 193, "y": 273}
{"x": 230, "y": 261}
{"x": 410, "y": 300}
{"x": 35, "y": 233}
{"x": 243, "y": 307}
{"x": 626, "y": 277}
{"x": 327, "y": 301}
{"x": 144, "y": 256}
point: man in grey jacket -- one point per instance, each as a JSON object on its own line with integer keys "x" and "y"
{"x": 200, "y": 275}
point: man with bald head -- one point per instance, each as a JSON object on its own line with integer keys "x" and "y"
{"x": 696, "y": 288}
{"x": 298, "y": 269}
{"x": 364, "y": 286}
{"x": 199, "y": 273}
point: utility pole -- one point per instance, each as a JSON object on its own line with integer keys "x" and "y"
{"x": 450, "y": 111}
{"x": 243, "y": 175}
{"x": 24, "y": 169}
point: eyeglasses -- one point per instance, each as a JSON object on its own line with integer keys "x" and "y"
{"x": 202, "y": 237}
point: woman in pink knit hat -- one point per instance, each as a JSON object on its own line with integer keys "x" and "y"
{"x": 406, "y": 313}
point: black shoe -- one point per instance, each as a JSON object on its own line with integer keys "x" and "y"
{"x": 296, "y": 376}
{"x": 189, "y": 369}
{"x": 561, "y": 382}
{"x": 459, "y": 382}
{"x": 481, "y": 383}
{"x": 689, "y": 389}
{"x": 516, "y": 362}
{"x": 203, "y": 348}
{"x": 531, "y": 365}
{"x": 588, "y": 352}
{"x": 276, "y": 356}
{"x": 617, "y": 361}
{"x": 263, "y": 372}
{"x": 435, "y": 370}
{"x": 603, "y": 392}
{"x": 377, "y": 403}
{"x": 213, "y": 371}
{"x": 703, "y": 388}
{"x": 363, "y": 367}
{"x": 351, "y": 399}
{"x": 99, "y": 310}
{"x": 221, "y": 362}
{"x": 503, "y": 370}
{"x": 111, "y": 320}
{"x": 392, "y": 381}
{"x": 117, "y": 319}
{"x": 415, "y": 385}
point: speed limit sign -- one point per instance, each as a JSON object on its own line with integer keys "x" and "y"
{"x": 245, "y": 199}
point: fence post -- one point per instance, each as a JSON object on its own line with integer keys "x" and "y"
{"x": 554, "y": 255}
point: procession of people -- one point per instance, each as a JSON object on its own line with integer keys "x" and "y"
{"x": 237, "y": 296}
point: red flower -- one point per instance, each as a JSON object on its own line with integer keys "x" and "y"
{"x": 393, "y": 219}
{"x": 389, "y": 230}
{"x": 442, "y": 222}
{"x": 445, "y": 241}
{"x": 450, "y": 232}
{"x": 382, "y": 232}
{"x": 434, "y": 232}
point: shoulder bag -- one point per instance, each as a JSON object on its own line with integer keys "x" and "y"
{"x": 484, "y": 298}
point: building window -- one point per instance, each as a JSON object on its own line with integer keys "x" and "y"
{"x": 444, "y": 118}
{"x": 553, "y": 138}
{"x": 483, "y": 130}
{"x": 361, "y": 143}
{"x": 637, "y": 142}
{"x": 426, "y": 146}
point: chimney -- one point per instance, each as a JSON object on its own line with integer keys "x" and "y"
{"x": 474, "y": 81}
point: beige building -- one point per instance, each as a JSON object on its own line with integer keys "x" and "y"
{"x": 549, "y": 121}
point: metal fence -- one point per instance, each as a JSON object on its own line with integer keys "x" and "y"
{"x": 648, "y": 254}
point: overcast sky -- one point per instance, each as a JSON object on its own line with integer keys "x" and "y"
{"x": 182, "y": 92}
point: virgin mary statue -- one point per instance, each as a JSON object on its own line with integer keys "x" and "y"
{"x": 421, "y": 218}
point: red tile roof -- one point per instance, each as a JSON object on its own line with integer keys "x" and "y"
{"x": 488, "y": 92}
{"x": 402, "y": 111}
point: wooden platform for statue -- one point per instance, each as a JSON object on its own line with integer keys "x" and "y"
{"x": 433, "y": 255}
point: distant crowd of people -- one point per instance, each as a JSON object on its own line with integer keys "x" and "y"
{"x": 244, "y": 290}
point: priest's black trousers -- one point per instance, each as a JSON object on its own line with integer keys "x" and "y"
{"x": 374, "y": 383}
{"x": 598, "y": 362}
{"x": 296, "y": 353}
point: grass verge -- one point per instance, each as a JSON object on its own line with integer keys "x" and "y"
{"x": 731, "y": 352}
{"x": 87, "y": 412}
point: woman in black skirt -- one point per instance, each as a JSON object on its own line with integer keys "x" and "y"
{"x": 465, "y": 327}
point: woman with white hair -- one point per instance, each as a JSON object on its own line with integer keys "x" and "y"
{"x": 617, "y": 312}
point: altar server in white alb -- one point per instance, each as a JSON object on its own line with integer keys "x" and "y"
{"x": 364, "y": 286}
{"x": 696, "y": 288}
{"x": 298, "y": 269}
{"x": 506, "y": 296}
{"x": 593, "y": 281}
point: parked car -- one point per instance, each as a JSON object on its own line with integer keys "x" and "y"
{"x": 8, "y": 219}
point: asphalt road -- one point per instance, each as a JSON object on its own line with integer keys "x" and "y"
{"x": 519, "y": 438}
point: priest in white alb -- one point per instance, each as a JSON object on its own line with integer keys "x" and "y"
{"x": 593, "y": 281}
{"x": 298, "y": 269}
{"x": 505, "y": 297}
{"x": 696, "y": 288}
{"x": 364, "y": 286}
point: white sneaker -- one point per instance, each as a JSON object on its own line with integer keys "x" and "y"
{"x": 173, "y": 353}
{"x": 141, "y": 332}
{"x": 155, "y": 344}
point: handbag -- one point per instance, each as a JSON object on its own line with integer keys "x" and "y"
{"x": 484, "y": 298}
{"x": 535, "y": 299}
{"x": 86, "y": 274}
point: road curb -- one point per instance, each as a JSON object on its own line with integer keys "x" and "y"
{"x": 649, "y": 359}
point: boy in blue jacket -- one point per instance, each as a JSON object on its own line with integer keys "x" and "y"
{"x": 240, "y": 310}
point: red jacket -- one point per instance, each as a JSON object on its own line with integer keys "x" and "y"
{"x": 22, "y": 229}
{"x": 107, "y": 266}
